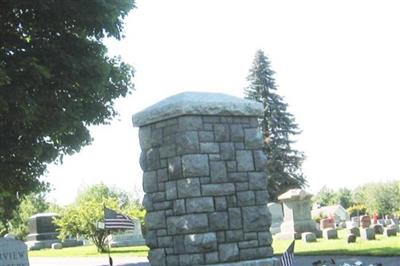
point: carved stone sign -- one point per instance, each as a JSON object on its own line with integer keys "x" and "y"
{"x": 13, "y": 252}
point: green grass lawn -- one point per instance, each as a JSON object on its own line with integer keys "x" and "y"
{"x": 382, "y": 246}
{"x": 86, "y": 251}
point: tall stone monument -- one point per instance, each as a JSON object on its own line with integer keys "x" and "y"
{"x": 296, "y": 215}
{"x": 204, "y": 179}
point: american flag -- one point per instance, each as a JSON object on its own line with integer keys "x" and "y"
{"x": 287, "y": 257}
{"x": 115, "y": 220}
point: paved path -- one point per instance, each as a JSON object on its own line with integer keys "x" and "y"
{"x": 135, "y": 261}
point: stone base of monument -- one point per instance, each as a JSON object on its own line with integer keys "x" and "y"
{"x": 36, "y": 245}
{"x": 259, "y": 262}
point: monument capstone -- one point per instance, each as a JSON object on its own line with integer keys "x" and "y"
{"x": 204, "y": 181}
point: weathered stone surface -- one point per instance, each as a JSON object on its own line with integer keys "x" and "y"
{"x": 365, "y": 221}
{"x": 377, "y": 228}
{"x": 179, "y": 207}
{"x": 256, "y": 218}
{"x": 248, "y": 244}
{"x": 218, "y": 221}
{"x": 162, "y": 175}
{"x": 262, "y": 197}
{"x": 152, "y": 159}
{"x": 390, "y": 232}
{"x": 165, "y": 242}
{"x": 170, "y": 190}
{"x": 190, "y": 123}
{"x": 235, "y": 218}
{"x": 188, "y": 187}
{"x": 172, "y": 260}
{"x": 167, "y": 151}
{"x": 187, "y": 143}
{"x": 220, "y": 204}
{"x": 234, "y": 235}
{"x": 253, "y": 138}
{"x": 221, "y": 132}
{"x": 227, "y": 151}
{"x": 327, "y": 223}
{"x": 228, "y": 252}
{"x": 150, "y": 182}
{"x": 155, "y": 220}
{"x": 308, "y": 237}
{"x": 244, "y": 160}
{"x": 212, "y": 257}
{"x": 191, "y": 223}
{"x": 260, "y": 160}
{"x": 252, "y": 253}
{"x": 250, "y": 236}
{"x": 196, "y": 243}
{"x": 196, "y": 103}
{"x": 218, "y": 189}
{"x": 246, "y": 198}
{"x": 351, "y": 238}
{"x": 151, "y": 239}
{"x": 354, "y": 230}
{"x": 237, "y": 133}
{"x": 367, "y": 233}
{"x": 157, "y": 257}
{"x": 174, "y": 168}
{"x": 56, "y": 246}
{"x": 145, "y": 137}
{"x": 258, "y": 181}
{"x": 195, "y": 165}
{"x": 218, "y": 172}
{"x": 265, "y": 238}
{"x": 329, "y": 233}
{"x": 206, "y": 136}
{"x": 209, "y": 147}
{"x": 198, "y": 205}
{"x": 191, "y": 259}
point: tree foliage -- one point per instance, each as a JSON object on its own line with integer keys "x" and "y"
{"x": 81, "y": 218}
{"x": 30, "y": 205}
{"x": 327, "y": 196}
{"x": 56, "y": 79}
{"x": 278, "y": 126}
{"x": 382, "y": 198}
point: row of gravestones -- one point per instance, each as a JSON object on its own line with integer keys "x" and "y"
{"x": 292, "y": 219}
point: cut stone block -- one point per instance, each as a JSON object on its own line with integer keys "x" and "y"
{"x": 354, "y": 230}
{"x": 351, "y": 238}
{"x": 389, "y": 232}
{"x": 367, "y": 233}
{"x": 308, "y": 237}
{"x": 329, "y": 233}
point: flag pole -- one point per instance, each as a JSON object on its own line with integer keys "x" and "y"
{"x": 110, "y": 260}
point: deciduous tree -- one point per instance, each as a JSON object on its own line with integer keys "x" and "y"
{"x": 56, "y": 79}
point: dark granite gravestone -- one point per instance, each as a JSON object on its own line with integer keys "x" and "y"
{"x": 43, "y": 232}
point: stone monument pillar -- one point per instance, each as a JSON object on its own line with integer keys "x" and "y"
{"x": 204, "y": 181}
{"x": 296, "y": 215}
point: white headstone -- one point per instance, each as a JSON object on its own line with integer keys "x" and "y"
{"x": 13, "y": 252}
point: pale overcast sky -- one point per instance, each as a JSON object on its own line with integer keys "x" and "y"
{"x": 336, "y": 65}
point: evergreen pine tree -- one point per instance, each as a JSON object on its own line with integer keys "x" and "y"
{"x": 278, "y": 126}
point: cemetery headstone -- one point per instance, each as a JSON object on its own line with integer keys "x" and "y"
{"x": 308, "y": 237}
{"x": 365, "y": 221}
{"x": 351, "y": 238}
{"x": 353, "y": 230}
{"x": 389, "y": 232}
{"x": 327, "y": 223}
{"x": 296, "y": 215}
{"x": 43, "y": 232}
{"x": 277, "y": 217}
{"x": 377, "y": 228}
{"x": 367, "y": 233}
{"x": 129, "y": 237}
{"x": 205, "y": 181}
{"x": 329, "y": 233}
{"x": 13, "y": 252}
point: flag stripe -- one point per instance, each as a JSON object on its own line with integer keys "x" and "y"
{"x": 288, "y": 256}
{"x": 114, "y": 220}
